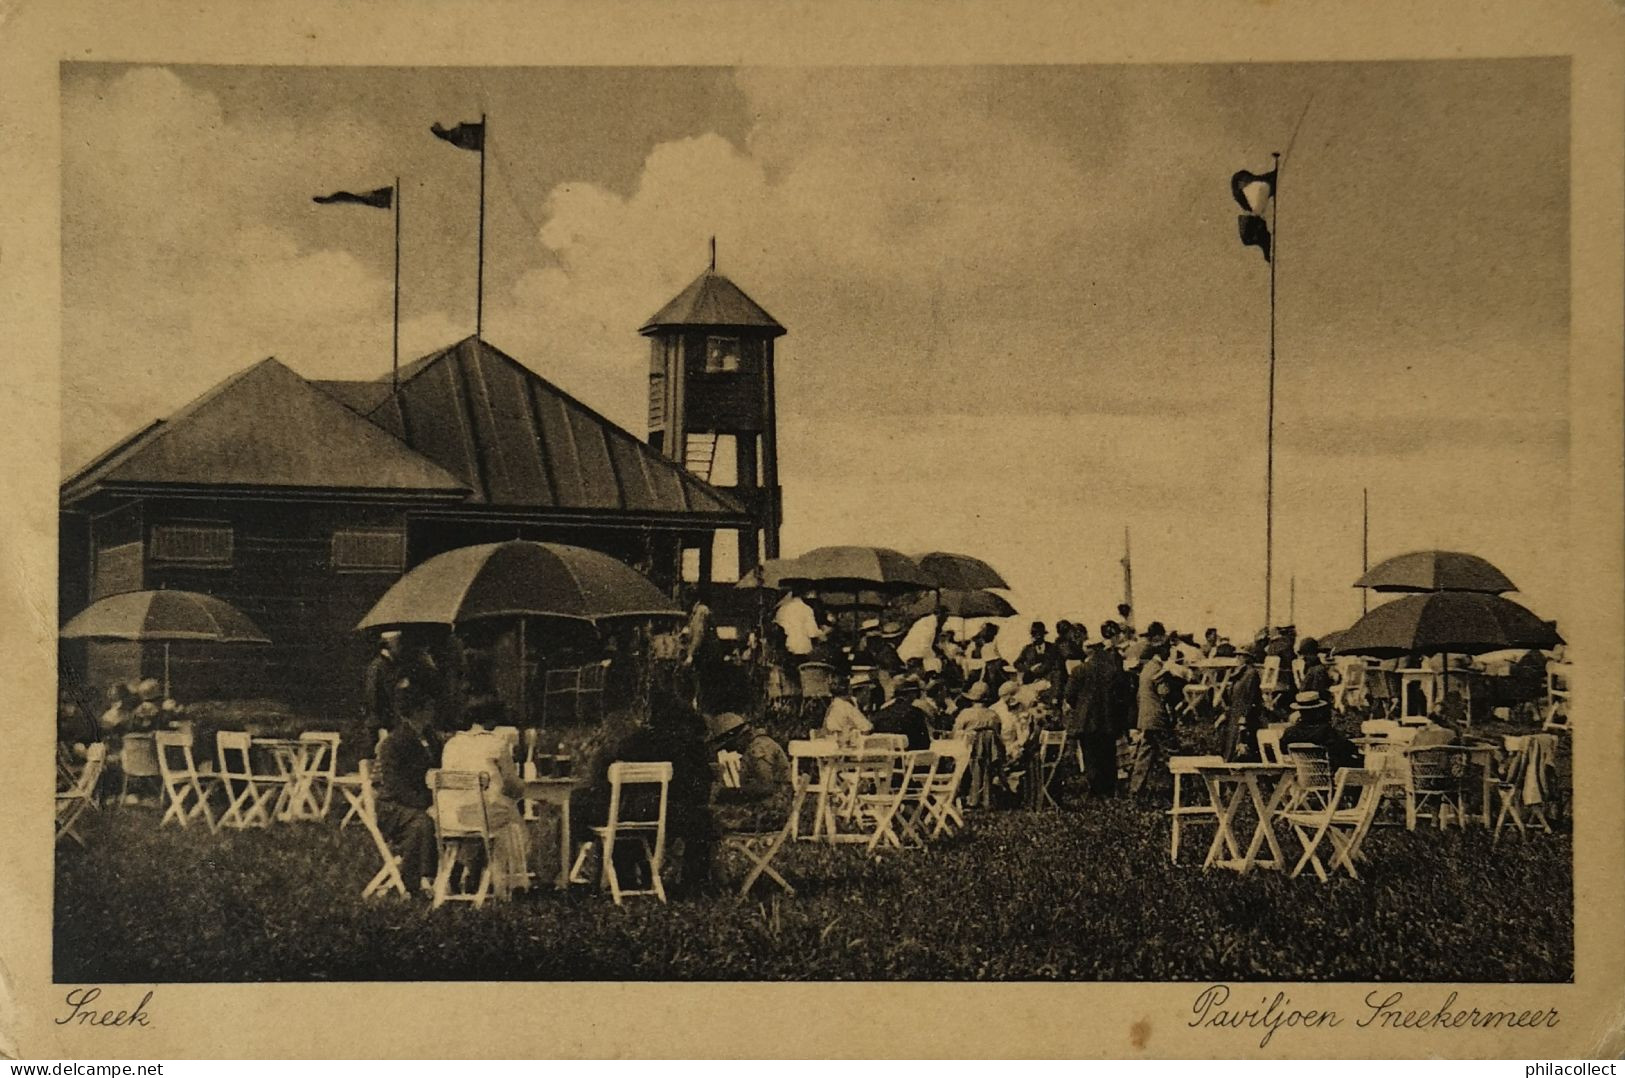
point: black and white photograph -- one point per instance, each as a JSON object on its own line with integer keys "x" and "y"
{"x": 1101, "y": 523}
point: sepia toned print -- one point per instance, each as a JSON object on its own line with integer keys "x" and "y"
{"x": 414, "y": 576}
{"x": 739, "y": 515}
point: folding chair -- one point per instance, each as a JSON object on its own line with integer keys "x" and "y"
{"x": 138, "y": 759}
{"x": 1312, "y": 784}
{"x": 728, "y": 768}
{"x": 365, "y": 808}
{"x": 72, "y": 803}
{"x": 1429, "y": 781}
{"x": 1343, "y": 829}
{"x": 1528, "y": 781}
{"x": 1269, "y": 744}
{"x": 455, "y": 839}
{"x": 1557, "y": 696}
{"x": 939, "y": 803}
{"x": 1269, "y": 681}
{"x": 881, "y": 807}
{"x": 590, "y": 691}
{"x": 186, "y": 790}
{"x": 321, "y": 775}
{"x": 817, "y": 686}
{"x": 1350, "y": 692}
{"x": 649, "y": 832}
{"x": 250, "y": 796}
{"x": 760, "y": 847}
{"x": 1051, "y": 750}
{"x": 1180, "y": 767}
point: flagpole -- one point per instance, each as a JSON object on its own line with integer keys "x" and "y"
{"x": 395, "y": 355}
{"x": 1269, "y": 441}
{"x": 479, "y": 272}
{"x": 1365, "y": 546}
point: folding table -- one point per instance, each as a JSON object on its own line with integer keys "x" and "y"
{"x": 296, "y": 762}
{"x": 1228, "y": 786}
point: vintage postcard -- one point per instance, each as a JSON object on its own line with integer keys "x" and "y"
{"x": 618, "y": 519}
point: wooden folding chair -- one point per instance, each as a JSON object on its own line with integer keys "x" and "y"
{"x": 72, "y": 802}
{"x": 186, "y": 790}
{"x": 649, "y": 832}
{"x": 882, "y": 806}
{"x": 760, "y": 847}
{"x": 1269, "y": 681}
{"x": 1182, "y": 767}
{"x": 1557, "y": 696}
{"x": 250, "y": 796}
{"x": 455, "y": 839}
{"x": 322, "y": 774}
{"x": 1343, "y": 829}
{"x": 1528, "y": 780}
{"x": 1350, "y": 693}
{"x": 728, "y": 768}
{"x": 939, "y": 802}
{"x": 1051, "y": 751}
{"x": 365, "y": 807}
{"x": 1269, "y": 744}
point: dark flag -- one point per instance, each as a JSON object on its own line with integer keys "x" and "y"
{"x": 470, "y": 136}
{"x": 1253, "y": 192}
{"x": 383, "y": 198}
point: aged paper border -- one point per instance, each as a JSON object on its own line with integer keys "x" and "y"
{"x": 333, "y": 1020}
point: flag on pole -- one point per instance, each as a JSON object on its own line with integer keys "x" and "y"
{"x": 382, "y": 197}
{"x": 1254, "y": 192}
{"x": 469, "y": 136}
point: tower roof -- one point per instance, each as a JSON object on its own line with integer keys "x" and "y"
{"x": 712, "y": 300}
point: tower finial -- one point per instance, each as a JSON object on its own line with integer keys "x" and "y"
{"x": 713, "y": 254}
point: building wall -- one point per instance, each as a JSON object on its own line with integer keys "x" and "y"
{"x": 281, "y": 568}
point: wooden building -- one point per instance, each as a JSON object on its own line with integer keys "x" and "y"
{"x": 301, "y": 501}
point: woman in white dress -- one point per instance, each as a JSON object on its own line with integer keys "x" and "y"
{"x": 480, "y": 746}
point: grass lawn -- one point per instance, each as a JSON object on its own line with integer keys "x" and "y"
{"x": 1084, "y": 894}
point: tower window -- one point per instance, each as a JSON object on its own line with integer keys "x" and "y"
{"x": 722, "y": 355}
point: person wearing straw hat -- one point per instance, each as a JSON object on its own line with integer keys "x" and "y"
{"x": 1312, "y": 725}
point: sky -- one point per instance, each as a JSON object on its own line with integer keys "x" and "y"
{"x": 1020, "y": 319}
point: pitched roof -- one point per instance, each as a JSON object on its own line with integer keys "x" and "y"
{"x": 265, "y": 426}
{"x": 712, "y": 300}
{"x": 517, "y": 440}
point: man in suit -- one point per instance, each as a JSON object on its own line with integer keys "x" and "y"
{"x": 902, "y": 715}
{"x": 405, "y": 758}
{"x": 1244, "y": 712}
{"x": 1094, "y": 697}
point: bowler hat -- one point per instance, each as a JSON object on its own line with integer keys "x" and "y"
{"x": 720, "y": 726}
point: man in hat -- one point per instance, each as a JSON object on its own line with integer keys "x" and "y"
{"x": 877, "y": 649}
{"x": 845, "y": 720}
{"x": 1156, "y": 732}
{"x": 1039, "y": 660}
{"x": 762, "y": 798}
{"x": 1094, "y": 697}
{"x": 394, "y": 661}
{"x": 1312, "y": 725}
{"x": 902, "y": 715}
{"x": 1244, "y": 708}
{"x": 1316, "y": 676}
